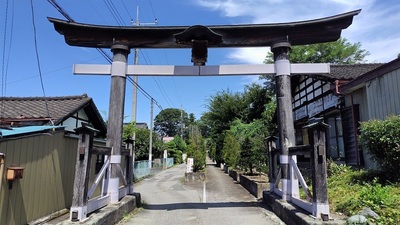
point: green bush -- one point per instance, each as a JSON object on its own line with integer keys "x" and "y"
{"x": 352, "y": 190}
{"x": 381, "y": 138}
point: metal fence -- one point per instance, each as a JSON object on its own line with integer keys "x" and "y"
{"x": 170, "y": 162}
{"x": 142, "y": 168}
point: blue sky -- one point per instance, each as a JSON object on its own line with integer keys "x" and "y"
{"x": 376, "y": 28}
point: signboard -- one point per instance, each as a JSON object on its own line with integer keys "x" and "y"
{"x": 165, "y": 154}
{"x": 189, "y": 166}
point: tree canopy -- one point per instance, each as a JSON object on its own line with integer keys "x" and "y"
{"x": 337, "y": 52}
{"x": 169, "y": 122}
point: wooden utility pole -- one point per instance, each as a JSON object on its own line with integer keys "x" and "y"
{"x": 116, "y": 115}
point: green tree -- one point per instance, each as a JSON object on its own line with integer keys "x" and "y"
{"x": 197, "y": 150}
{"x": 231, "y": 150}
{"x": 337, "y": 52}
{"x": 175, "y": 148}
{"x": 142, "y": 141}
{"x": 256, "y": 97}
{"x": 223, "y": 108}
{"x": 251, "y": 137}
{"x": 169, "y": 122}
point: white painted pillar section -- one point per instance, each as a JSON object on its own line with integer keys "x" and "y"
{"x": 285, "y": 114}
{"x": 320, "y": 209}
{"x": 294, "y": 180}
{"x": 116, "y": 116}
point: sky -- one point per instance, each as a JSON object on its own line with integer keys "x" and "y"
{"x": 376, "y": 28}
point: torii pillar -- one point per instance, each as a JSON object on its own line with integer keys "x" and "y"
{"x": 290, "y": 186}
{"x": 116, "y": 115}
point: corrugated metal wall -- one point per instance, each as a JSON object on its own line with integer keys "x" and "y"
{"x": 383, "y": 95}
{"x": 46, "y": 186}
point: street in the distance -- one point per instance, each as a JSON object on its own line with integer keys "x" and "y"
{"x": 168, "y": 199}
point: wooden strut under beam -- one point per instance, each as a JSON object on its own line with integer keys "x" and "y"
{"x": 221, "y": 70}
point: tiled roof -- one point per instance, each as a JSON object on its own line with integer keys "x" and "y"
{"x": 348, "y": 71}
{"x": 34, "y": 108}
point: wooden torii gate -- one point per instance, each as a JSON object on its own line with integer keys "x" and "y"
{"x": 280, "y": 37}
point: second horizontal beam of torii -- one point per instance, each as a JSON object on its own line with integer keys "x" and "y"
{"x": 220, "y": 70}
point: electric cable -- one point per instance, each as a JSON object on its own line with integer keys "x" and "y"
{"x": 38, "y": 60}
{"x": 101, "y": 51}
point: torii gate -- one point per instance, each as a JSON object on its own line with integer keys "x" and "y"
{"x": 280, "y": 37}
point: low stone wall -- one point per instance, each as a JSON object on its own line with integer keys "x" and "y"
{"x": 195, "y": 176}
{"x": 226, "y": 169}
{"x": 235, "y": 175}
{"x": 293, "y": 215}
{"x": 253, "y": 187}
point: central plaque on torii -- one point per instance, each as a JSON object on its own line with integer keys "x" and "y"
{"x": 279, "y": 36}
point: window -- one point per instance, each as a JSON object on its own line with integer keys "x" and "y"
{"x": 335, "y": 143}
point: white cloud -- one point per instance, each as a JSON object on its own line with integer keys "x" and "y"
{"x": 375, "y": 27}
{"x": 248, "y": 55}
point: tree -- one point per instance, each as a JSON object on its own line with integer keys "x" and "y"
{"x": 251, "y": 137}
{"x": 169, "y": 122}
{"x": 142, "y": 141}
{"x": 337, "y": 52}
{"x": 223, "y": 108}
{"x": 175, "y": 149}
{"x": 256, "y": 97}
{"x": 197, "y": 150}
{"x": 231, "y": 150}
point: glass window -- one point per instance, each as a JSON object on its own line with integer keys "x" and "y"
{"x": 317, "y": 92}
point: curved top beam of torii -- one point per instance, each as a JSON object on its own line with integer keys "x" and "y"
{"x": 248, "y": 35}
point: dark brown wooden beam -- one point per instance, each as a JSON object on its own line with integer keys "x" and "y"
{"x": 246, "y": 35}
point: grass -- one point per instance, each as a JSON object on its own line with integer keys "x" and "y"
{"x": 351, "y": 190}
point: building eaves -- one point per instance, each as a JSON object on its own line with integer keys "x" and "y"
{"x": 35, "y": 108}
{"x": 369, "y": 75}
{"x": 347, "y": 72}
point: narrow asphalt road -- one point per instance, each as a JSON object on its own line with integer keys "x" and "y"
{"x": 169, "y": 200}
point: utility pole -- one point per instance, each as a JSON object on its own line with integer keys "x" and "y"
{"x": 181, "y": 123}
{"x": 151, "y": 133}
{"x": 135, "y": 88}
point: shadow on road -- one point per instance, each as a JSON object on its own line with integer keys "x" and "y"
{"x": 177, "y": 206}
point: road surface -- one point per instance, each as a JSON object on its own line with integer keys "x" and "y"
{"x": 168, "y": 200}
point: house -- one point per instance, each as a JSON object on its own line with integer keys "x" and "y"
{"x": 68, "y": 111}
{"x": 374, "y": 95}
{"x": 316, "y": 97}
{"x": 43, "y": 143}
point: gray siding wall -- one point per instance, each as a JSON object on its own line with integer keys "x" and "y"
{"x": 383, "y": 95}
{"x": 360, "y": 98}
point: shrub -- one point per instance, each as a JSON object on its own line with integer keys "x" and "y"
{"x": 381, "y": 138}
{"x": 197, "y": 150}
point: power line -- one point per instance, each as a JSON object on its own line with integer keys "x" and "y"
{"x": 3, "y": 74}
{"x": 126, "y": 9}
{"x": 101, "y": 51}
{"x": 37, "y": 58}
